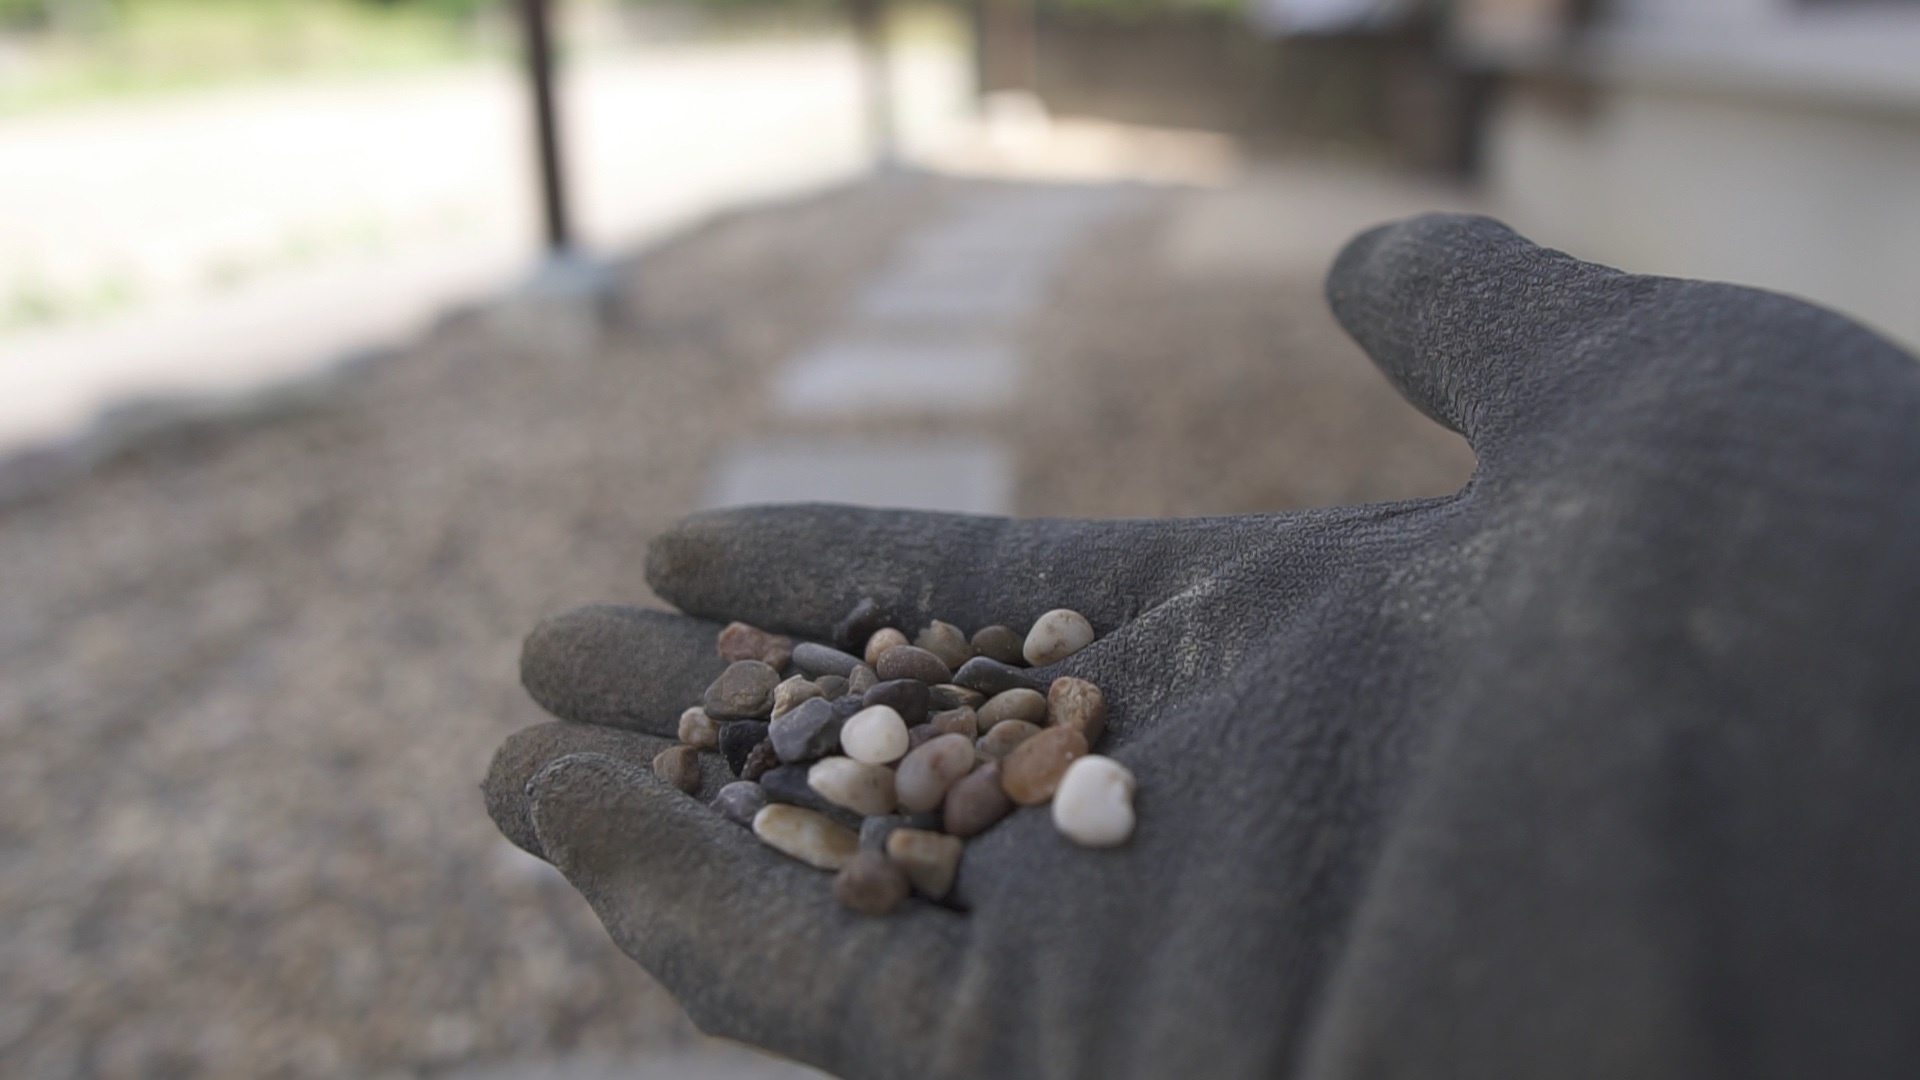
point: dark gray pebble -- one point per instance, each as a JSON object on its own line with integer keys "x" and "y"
{"x": 908, "y": 697}
{"x": 831, "y": 686}
{"x": 992, "y": 677}
{"x": 737, "y": 740}
{"x": 848, "y": 704}
{"x": 816, "y": 660}
{"x": 744, "y": 690}
{"x": 947, "y": 697}
{"x": 788, "y": 784}
{"x": 912, "y": 662}
{"x": 867, "y": 616}
{"x": 1000, "y": 643}
{"x": 874, "y": 830}
{"x": 739, "y": 801}
{"x": 808, "y": 732}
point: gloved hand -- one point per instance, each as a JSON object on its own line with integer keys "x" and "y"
{"x": 1607, "y": 766}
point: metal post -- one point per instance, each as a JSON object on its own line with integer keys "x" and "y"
{"x": 536, "y": 24}
{"x": 869, "y": 28}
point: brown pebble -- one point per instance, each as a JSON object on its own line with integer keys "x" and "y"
{"x": 1016, "y": 704}
{"x": 1032, "y": 773}
{"x": 921, "y": 734}
{"x": 948, "y": 696}
{"x": 789, "y": 694}
{"x": 1078, "y": 704}
{"x": 698, "y": 730}
{"x": 870, "y": 884}
{"x": 679, "y": 766}
{"x": 1005, "y": 737}
{"x": 743, "y": 691}
{"x": 832, "y": 687}
{"x": 760, "y": 760}
{"x": 742, "y": 642}
{"x": 961, "y": 721}
{"x": 929, "y": 859}
{"x": 1000, "y": 643}
{"x": 862, "y": 680}
{"x": 883, "y": 639}
{"x": 946, "y": 641}
{"x": 976, "y": 802}
{"x": 912, "y": 662}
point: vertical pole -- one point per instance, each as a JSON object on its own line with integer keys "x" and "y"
{"x": 536, "y": 24}
{"x": 870, "y": 31}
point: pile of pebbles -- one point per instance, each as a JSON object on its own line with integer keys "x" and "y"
{"x": 881, "y": 766}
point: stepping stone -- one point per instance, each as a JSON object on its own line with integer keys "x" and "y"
{"x": 861, "y": 375}
{"x": 971, "y": 476}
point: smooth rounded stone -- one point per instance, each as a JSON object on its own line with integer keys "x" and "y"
{"x": 847, "y": 704}
{"x": 875, "y": 735}
{"x": 883, "y": 639}
{"x": 1078, "y": 704}
{"x": 807, "y": 836}
{"x": 1019, "y": 703}
{"x": 908, "y": 697}
{"x": 679, "y": 766}
{"x": 1000, "y": 643}
{"x": 737, "y": 740}
{"x": 739, "y": 801}
{"x": 867, "y": 617}
{"x": 865, "y": 789}
{"x": 744, "y": 690}
{"x": 925, "y": 774}
{"x": 831, "y": 687}
{"x": 930, "y": 859}
{"x": 1094, "y": 805}
{"x": 961, "y": 721}
{"x": 1055, "y": 636}
{"x": 699, "y": 730}
{"x": 760, "y": 760}
{"x": 740, "y": 641}
{"x": 1032, "y": 773}
{"x": 976, "y": 802}
{"x": 862, "y": 680}
{"x": 789, "y": 784}
{"x": 870, "y": 884}
{"x": 816, "y": 660}
{"x": 808, "y": 732}
{"x": 875, "y": 830}
{"x": 946, "y": 641}
{"x": 947, "y": 696}
{"x": 912, "y": 662}
{"x": 1006, "y": 737}
{"x": 788, "y": 695}
{"x": 920, "y": 735}
{"x": 992, "y": 678}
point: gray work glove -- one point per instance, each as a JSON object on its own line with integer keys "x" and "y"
{"x": 1607, "y": 766}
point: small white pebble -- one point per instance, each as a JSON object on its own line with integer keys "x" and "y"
{"x": 1094, "y": 805}
{"x": 875, "y": 735}
{"x": 1055, "y": 636}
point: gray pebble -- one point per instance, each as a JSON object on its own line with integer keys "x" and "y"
{"x": 870, "y": 884}
{"x": 1005, "y": 737}
{"x": 744, "y": 690}
{"x": 1000, "y": 643}
{"x": 948, "y": 696}
{"x": 920, "y": 735}
{"x": 739, "y": 801}
{"x": 991, "y": 677}
{"x": 680, "y": 766}
{"x": 912, "y": 662}
{"x": 946, "y": 641}
{"x": 788, "y": 695}
{"x": 699, "y": 730}
{"x": 962, "y": 721}
{"x": 874, "y": 830}
{"x": 862, "y": 680}
{"x": 908, "y": 697}
{"x": 831, "y": 686}
{"x": 1017, "y": 704}
{"x": 737, "y": 740}
{"x": 847, "y": 704}
{"x": 788, "y": 784}
{"x": 808, "y": 732}
{"x": 817, "y": 660}
{"x": 866, "y": 617}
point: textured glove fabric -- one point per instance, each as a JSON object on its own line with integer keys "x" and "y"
{"x": 1607, "y": 766}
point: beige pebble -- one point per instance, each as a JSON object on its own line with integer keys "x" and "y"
{"x": 1078, "y": 704}
{"x": 1017, "y": 704}
{"x": 948, "y": 696}
{"x": 975, "y": 802}
{"x": 1032, "y": 773}
{"x": 875, "y": 735}
{"x": 961, "y": 721}
{"x": 883, "y": 639}
{"x": 926, "y": 774}
{"x": 1005, "y": 737}
{"x": 806, "y": 835}
{"x": 865, "y": 789}
{"x": 789, "y": 694}
{"x": 698, "y": 730}
{"x": 1055, "y": 636}
{"x": 929, "y": 859}
{"x": 870, "y": 884}
{"x": 946, "y": 641}
{"x": 679, "y": 766}
{"x": 1094, "y": 805}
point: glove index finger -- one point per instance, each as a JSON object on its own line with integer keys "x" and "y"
{"x": 623, "y": 667}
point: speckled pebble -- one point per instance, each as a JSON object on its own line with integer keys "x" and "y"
{"x": 999, "y": 643}
{"x": 866, "y": 617}
{"x": 832, "y": 687}
{"x": 739, "y": 801}
{"x": 925, "y": 774}
{"x": 976, "y": 802}
{"x": 737, "y": 740}
{"x": 699, "y": 730}
{"x": 807, "y": 836}
{"x": 883, "y": 639}
{"x": 947, "y": 696}
{"x": 1032, "y": 773}
{"x": 875, "y": 735}
{"x": 1005, "y": 737}
{"x": 991, "y": 677}
{"x": 870, "y": 884}
{"x": 956, "y": 722}
{"x": 808, "y": 732}
{"x": 1094, "y": 804}
{"x": 817, "y": 660}
{"x": 760, "y": 760}
{"x": 744, "y": 690}
{"x": 1078, "y": 704}
{"x": 1055, "y": 636}
{"x": 930, "y": 859}
{"x": 912, "y": 662}
{"x": 946, "y": 641}
{"x": 740, "y": 641}
{"x": 867, "y": 790}
{"x": 862, "y": 680}
{"x": 679, "y": 766}
{"x": 789, "y": 694}
{"x": 1017, "y": 704}
{"x": 908, "y": 697}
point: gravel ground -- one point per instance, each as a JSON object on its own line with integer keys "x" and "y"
{"x": 251, "y": 672}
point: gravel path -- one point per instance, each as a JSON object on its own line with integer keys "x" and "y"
{"x": 250, "y": 674}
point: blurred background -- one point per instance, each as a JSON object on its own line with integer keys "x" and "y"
{"x": 342, "y": 340}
